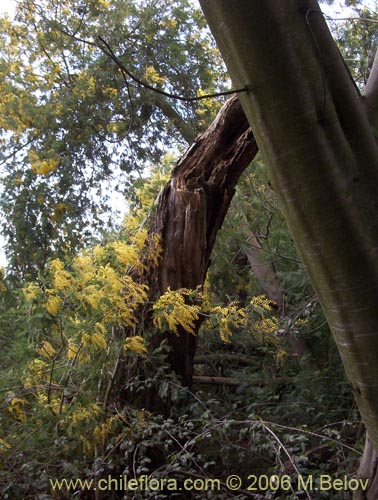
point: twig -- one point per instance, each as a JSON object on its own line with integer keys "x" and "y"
{"x": 285, "y": 450}
{"x": 143, "y": 83}
{"x": 111, "y": 382}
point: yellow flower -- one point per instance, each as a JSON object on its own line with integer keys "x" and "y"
{"x": 136, "y": 344}
{"x": 99, "y": 253}
{"x": 172, "y": 311}
{"x": 62, "y": 278}
{"x": 16, "y": 408}
{"x": 126, "y": 254}
{"x": 97, "y": 338}
{"x": 85, "y": 414}
{"x": 260, "y": 303}
{"x": 112, "y": 279}
{"x": 37, "y": 372}
{"x": 102, "y": 431}
{"x": 84, "y": 266}
{"x": 152, "y": 76}
{"x": 42, "y": 167}
{"x": 31, "y": 291}
{"x": 266, "y": 326}
{"x": 53, "y": 305}
{"x": 229, "y": 317}
{"x": 73, "y": 349}
{"x": 46, "y": 350}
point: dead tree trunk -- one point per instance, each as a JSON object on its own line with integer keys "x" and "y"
{"x": 191, "y": 210}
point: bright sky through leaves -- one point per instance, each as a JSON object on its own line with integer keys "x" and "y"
{"x": 7, "y": 7}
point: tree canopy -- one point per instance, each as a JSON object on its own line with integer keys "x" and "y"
{"x": 73, "y": 122}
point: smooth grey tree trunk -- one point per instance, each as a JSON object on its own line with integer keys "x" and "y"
{"x": 313, "y": 130}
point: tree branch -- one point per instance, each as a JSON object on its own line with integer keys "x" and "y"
{"x": 205, "y": 379}
{"x": 235, "y": 359}
{"x": 109, "y": 52}
{"x": 185, "y": 130}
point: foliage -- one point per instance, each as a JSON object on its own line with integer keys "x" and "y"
{"x": 174, "y": 309}
{"x": 81, "y": 318}
{"x": 254, "y": 210}
{"x": 72, "y": 121}
{"x": 78, "y": 345}
{"x": 207, "y": 434}
{"x": 357, "y": 39}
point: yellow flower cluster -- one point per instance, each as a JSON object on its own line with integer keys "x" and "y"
{"x": 97, "y": 338}
{"x": 77, "y": 352}
{"x": 16, "y": 408}
{"x": 42, "y": 167}
{"x": 135, "y": 344}
{"x": 90, "y": 295}
{"x": 81, "y": 424}
{"x": 36, "y": 373}
{"x": 228, "y": 318}
{"x": 152, "y": 76}
{"x": 266, "y": 328}
{"x": 86, "y": 414}
{"x": 102, "y": 431}
{"x": 266, "y": 325}
{"x": 261, "y": 304}
{"x": 46, "y": 350}
{"x": 62, "y": 278}
{"x": 126, "y": 254}
{"x": 173, "y": 310}
{"x": 53, "y": 305}
{"x": 83, "y": 265}
{"x": 31, "y": 291}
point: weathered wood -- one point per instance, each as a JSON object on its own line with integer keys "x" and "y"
{"x": 235, "y": 359}
{"x": 191, "y": 210}
{"x": 205, "y": 379}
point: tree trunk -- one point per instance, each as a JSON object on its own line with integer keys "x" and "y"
{"x": 368, "y": 470}
{"x": 191, "y": 210}
{"x": 312, "y": 128}
{"x": 270, "y": 284}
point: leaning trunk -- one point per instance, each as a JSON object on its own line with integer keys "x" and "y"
{"x": 191, "y": 210}
{"x": 313, "y": 131}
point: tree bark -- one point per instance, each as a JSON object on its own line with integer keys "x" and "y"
{"x": 270, "y": 284}
{"x": 191, "y": 210}
{"x": 314, "y": 134}
{"x": 368, "y": 470}
{"x": 371, "y": 96}
{"x": 169, "y": 111}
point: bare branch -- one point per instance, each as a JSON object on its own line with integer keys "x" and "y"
{"x": 205, "y": 379}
